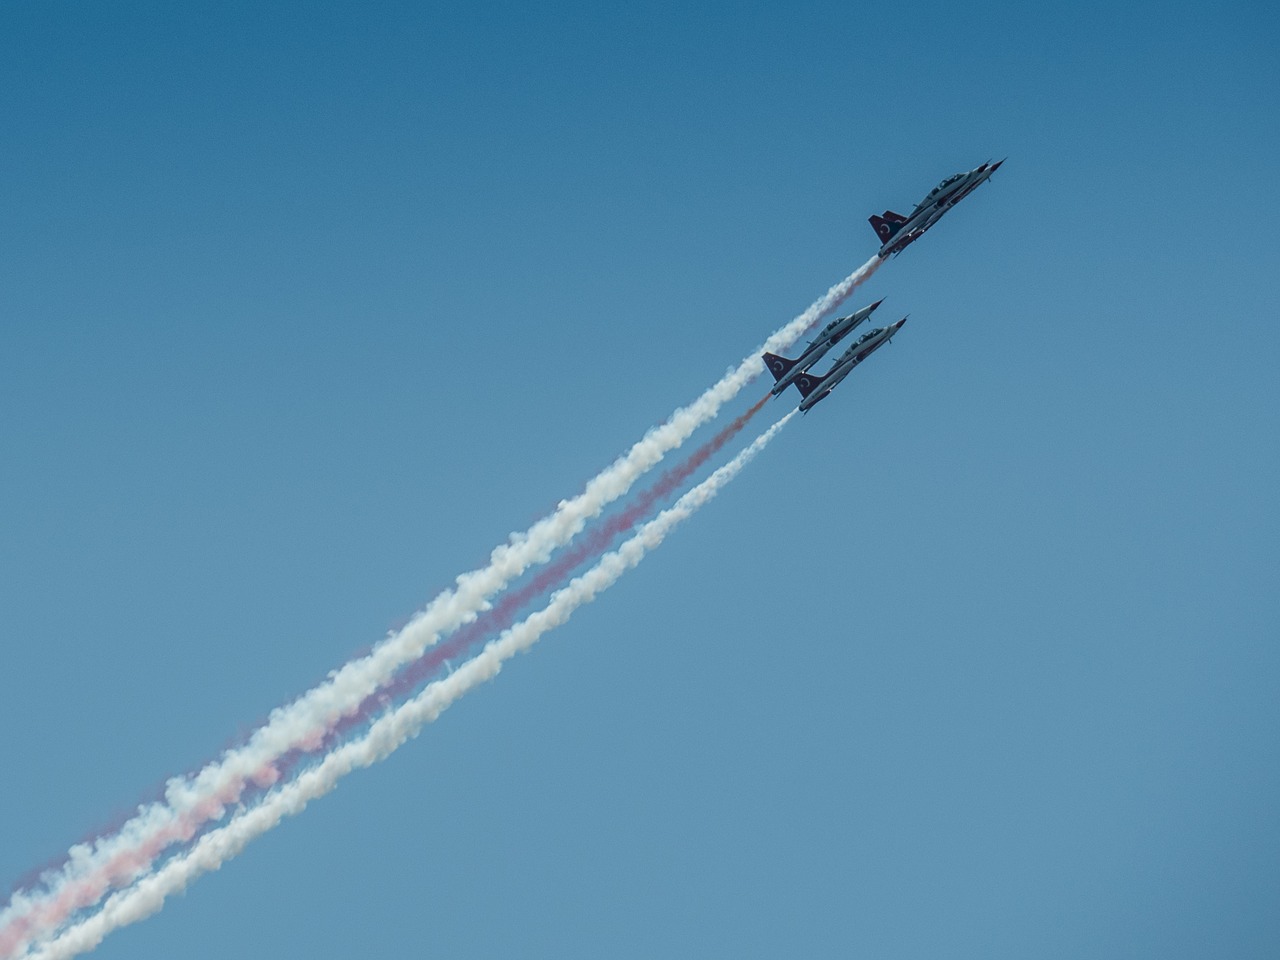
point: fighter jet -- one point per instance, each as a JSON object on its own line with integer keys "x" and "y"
{"x": 785, "y": 371}
{"x": 814, "y": 388}
{"x": 896, "y": 231}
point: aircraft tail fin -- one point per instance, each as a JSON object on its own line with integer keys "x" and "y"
{"x": 778, "y": 366}
{"x": 807, "y": 383}
{"x": 887, "y": 224}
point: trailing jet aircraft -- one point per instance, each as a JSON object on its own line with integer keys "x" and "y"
{"x": 814, "y": 388}
{"x": 785, "y": 371}
{"x": 896, "y": 231}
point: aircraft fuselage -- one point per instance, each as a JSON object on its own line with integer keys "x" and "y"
{"x": 828, "y": 337}
{"x": 898, "y": 234}
{"x": 816, "y": 389}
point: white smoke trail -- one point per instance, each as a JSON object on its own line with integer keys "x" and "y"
{"x": 390, "y": 731}
{"x": 93, "y": 869}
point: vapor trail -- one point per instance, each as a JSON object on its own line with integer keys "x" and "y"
{"x": 89, "y": 888}
{"x": 390, "y": 731}
{"x": 92, "y": 869}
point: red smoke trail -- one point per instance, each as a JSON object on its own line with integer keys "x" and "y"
{"x": 499, "y": 617}
{"x": 493, "y": 621}
{"x": 123, "y": 864}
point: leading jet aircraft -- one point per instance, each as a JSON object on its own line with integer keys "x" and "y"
{"x": 814, "y": 388}
{"x": 896, "y": 232}
{"x": 785, "y": 371}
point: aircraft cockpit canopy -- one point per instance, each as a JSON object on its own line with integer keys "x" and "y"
{"x": 945, "y": 183}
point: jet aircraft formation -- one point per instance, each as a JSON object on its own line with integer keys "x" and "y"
{"x": 896, "y": 233}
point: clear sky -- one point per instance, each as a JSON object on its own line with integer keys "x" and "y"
{"x": 304, "y": 307}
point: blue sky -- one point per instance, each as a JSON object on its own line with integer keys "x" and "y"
{"x": 304, "y": 309}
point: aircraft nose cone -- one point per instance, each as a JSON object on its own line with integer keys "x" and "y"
{"x": 996, "y": 166}
{"x": 877, "y": 303}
